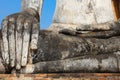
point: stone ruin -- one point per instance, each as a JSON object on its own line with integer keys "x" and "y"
{"x": 83, "y": 38}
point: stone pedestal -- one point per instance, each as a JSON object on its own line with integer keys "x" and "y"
{"x": 62, "y": 76}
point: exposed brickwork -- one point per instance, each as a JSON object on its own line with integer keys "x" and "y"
{"x": 62, "y": 76}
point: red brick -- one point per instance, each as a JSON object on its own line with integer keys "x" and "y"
{"x": 106, "y": 74}
{"x": 44, "y": 79}
{"x": 4, "y": 75}
{"x": 12, "y": 75}
{"x": 66, "y": 79}
{"x": 29, "y": 75}
{"x": 94, "y": 78}
{"x": 38, "y": 78}
{"x": 64, "y": 76}
{"x": 114, "y": 78}
{"x": 40, "y": 75}
{"x": 103, "y": 78}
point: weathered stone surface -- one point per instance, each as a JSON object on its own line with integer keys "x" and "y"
{"x": 17, "y": 32}
{"x": 36, "y": 4}
{"x": 26, "y": 39}
{"x": 64, "y": 53}
{"x": 18, "y": 37}
{"x": 2, "y": 67}
{"x": 85, "y": 12}
{"x": 5, "y": 54}
{"x": 34, "y": 36}
{"x": 54, "y": 46}
{"x": 11, "y": 40}
{"x": 98, "y": 63}
{"x": 73, "y": 13}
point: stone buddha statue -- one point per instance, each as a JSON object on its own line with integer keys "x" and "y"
{"x": 85, "y": 45}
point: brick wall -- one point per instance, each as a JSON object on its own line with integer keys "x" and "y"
{"x": 62, "y": 76}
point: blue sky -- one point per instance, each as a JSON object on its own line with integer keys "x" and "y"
{"x": 8, "y": 7}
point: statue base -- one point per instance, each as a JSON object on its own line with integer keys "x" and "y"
{"x": 62, "y": 76}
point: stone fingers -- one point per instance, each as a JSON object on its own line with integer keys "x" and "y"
{"x": 11, "y": 40}
{"x": 19, "y": 39}
{"x": 34, "y": 40}
{"x": 5, "y": 54}
{"x": 34, "y": 35}
{"x": 26, "y": 40}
